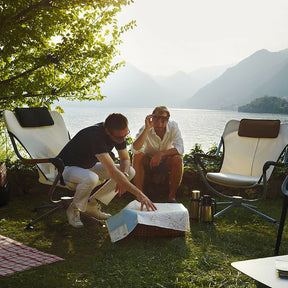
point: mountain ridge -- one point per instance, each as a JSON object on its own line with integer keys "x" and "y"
{"x": 238, "y": 85}
{"x": 133, "y": 88}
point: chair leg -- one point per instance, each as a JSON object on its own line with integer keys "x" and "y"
{"x": 58, "y": 206}
{"x": 281, "y": 225}
{"x": 52, "y": 211}
{"x": 239, "y": 203}
{"x": 244, "y": 205}
{"x": 45, "y": 206}
{"x": 251, "y": 206}
{"x": 224, "y": 210}
{"x": 224, "y": 203}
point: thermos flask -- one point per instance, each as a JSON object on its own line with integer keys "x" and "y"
{"x": 195, "y": 205}
{"x": 208, "y": 208}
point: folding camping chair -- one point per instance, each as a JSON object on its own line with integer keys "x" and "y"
{"x": 251, "y": 149}
{"x": 283, "y": 215}
{"x": 42, "y": 134}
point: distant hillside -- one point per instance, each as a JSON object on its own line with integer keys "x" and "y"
{"x": 277, "y": 85}
{"x": 253, "y": 77}
{"x": 206, "y": 75}
{"x": 266, "y": 104}
{"x": 183, "y": 85}
{"x": 131, "y": 87}
{"x": 180, "y": 85}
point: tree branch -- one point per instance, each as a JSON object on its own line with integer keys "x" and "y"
{"x": 27, "y": 95}
{"x": 42, "y": 3}
{"x": 20, "y": 75}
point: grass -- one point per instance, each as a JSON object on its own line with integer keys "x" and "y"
{"x": 200, "y": 259}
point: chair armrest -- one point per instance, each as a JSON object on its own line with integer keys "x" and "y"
{"x": 199, "y": 155}
{"x": 284, "y": 186}
{"x": 197, "y": 159}
{"x": 267, "y": 166}
{"x": 26, "y": 160}
{"x": 58, "y": 163}
{"x": 273, "y": 163}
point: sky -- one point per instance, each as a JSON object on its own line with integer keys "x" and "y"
{"x": 185, "y": 35}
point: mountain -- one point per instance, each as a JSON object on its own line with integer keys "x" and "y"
{"x": 180, "y": 85}
{"x": 276, "y": 86}
{"x": 131, "y": 87}
{"x": 183, "y": 85}
{"x": 238, "y": 85}
{"x": 205, "y": 75}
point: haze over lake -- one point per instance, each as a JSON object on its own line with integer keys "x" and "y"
{"x": 197, "y": 125}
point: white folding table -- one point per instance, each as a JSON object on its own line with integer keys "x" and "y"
{"x": 263, "y": 270}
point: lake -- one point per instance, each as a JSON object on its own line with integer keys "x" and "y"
{"x": 197, "y": 125}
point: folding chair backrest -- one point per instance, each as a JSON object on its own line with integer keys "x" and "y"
{"x": 39, "y": 142}
{"x": 247, "y": 155}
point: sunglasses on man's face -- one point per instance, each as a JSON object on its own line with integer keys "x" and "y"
{"x": 161, "y": 118}
{"x": 119, "y": 138}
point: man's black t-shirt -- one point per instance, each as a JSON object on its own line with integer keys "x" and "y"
{"x": 83, "y": 148}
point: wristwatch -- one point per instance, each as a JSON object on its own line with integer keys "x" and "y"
{"x": 126, "y": 174}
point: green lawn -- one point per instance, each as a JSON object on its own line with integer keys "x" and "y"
{"x": 200, "y": 259}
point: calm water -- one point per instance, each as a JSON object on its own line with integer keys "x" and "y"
{"x": 197, "y": 126}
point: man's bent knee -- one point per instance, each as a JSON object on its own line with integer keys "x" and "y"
{"x": 138, "y": 158}
{"x": 175, "y": 161}
{"x": 91, "y": 179}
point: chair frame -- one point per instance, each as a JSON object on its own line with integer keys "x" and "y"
{"x": 283, "y": 215}
{"x": 56, "y": 205}
{"x": 238, "y": 201}
{"x": 59, "y": 165}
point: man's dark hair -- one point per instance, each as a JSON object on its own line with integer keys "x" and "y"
{"x": 116, "y": 121}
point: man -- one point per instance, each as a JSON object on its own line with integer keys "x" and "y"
{"x": 87, "y": 160}
{"x": 159, "y": 145}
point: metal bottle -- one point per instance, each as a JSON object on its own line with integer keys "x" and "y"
{"x": 208, "y": 207}
{"x": 195, "y": 205}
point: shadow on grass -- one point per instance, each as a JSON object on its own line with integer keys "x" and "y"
{"x": 200, "y": 259}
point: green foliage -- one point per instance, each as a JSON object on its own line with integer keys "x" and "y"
{"x": 17, "y": 165}
{"x": 57, "y": 48}
{"x": 188, "y": 160}
{"x": 266, "y": 104}
{"x": 5, "y": 151}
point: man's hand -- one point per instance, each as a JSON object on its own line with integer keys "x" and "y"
{"x": 148, "y": 121}
{"x": 145, "y": 201}
{"x": 120, "y": 190}
{"x": 155, "y": 160}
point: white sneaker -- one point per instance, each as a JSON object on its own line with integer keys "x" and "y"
{"x": 73, "y": 215}
{"x": 94, "y": 209}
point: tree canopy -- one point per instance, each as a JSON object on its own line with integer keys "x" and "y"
{"x": 57, "y": 48}
{"x": 266, "y": 104}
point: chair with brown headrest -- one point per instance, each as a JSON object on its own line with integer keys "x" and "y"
{"x": 251, "y": 149}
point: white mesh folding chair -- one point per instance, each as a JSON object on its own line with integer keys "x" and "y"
{"x": 251, "y": 149}
{"x": 42, "y": 134}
